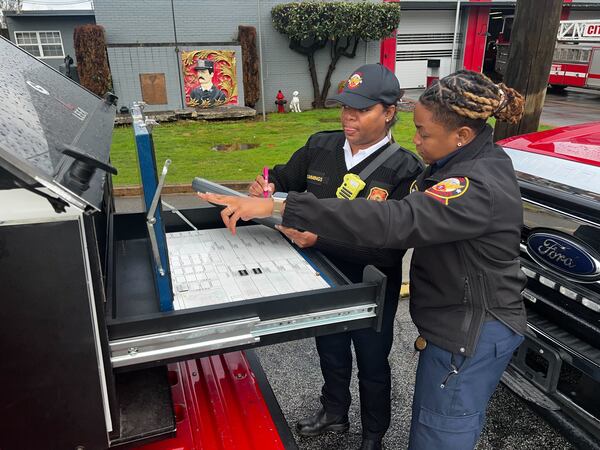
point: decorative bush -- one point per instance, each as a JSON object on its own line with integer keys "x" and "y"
{"x": 247, "y": 38}
{"x": 311, "y": 26}
{"x": 92, "y": 61}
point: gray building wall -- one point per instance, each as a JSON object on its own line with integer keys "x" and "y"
{"x": 208, "y": 24}
{"x": 65, "y": 24}
{"x": 575, "y": 3}
{"x": 127, "y": 63}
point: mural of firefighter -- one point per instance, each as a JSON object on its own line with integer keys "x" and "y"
{"x": 209, "y": 78}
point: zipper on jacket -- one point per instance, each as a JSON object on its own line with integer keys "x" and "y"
{"x": 468, "y": 298}
{"x": 470, "y": 344}
{"x": 468, "y": 301}
{"x": 483, "y": 289}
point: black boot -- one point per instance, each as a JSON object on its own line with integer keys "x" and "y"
{"x": 369, "y": 444}
{"x": 322, "y": 422}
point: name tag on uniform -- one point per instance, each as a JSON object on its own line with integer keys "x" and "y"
{"x": 316, "y": 178}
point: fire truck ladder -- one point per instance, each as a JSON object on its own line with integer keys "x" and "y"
{"x": 579, "y": 30}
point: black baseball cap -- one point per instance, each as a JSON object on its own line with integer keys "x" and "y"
{"x": 204, "y": 64}
{"x": 368, "y": 85}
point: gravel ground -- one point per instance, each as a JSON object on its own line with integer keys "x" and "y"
{"x": 294, "y": 374}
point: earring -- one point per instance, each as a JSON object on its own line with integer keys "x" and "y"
{"x": 459, "y": 144}
{"x": 387, "y": 120}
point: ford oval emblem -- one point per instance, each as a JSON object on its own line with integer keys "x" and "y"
{"x": 564, "y": 255}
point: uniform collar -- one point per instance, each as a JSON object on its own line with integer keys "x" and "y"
{"x": 468, "y": 152}
{"x": 442, "y": 162}
{"x": 361, "y": 155}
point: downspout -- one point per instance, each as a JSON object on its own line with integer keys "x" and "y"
{"x": 262, "y": 82}
{"x": 181, "y": 92}
{"x": 454, "y": 40}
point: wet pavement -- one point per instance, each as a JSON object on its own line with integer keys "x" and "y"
{"x": 571, "y": 107}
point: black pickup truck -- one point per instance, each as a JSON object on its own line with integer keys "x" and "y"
{"x": 557, "y": 369}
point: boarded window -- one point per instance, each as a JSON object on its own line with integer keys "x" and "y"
{"x": 154, "y": 89}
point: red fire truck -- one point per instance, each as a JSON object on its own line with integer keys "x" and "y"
{"x": 576, "y": 60}
{"x": 557, "y": 368}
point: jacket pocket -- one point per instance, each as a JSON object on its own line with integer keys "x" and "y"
{"x": 487, "y": 295}
{"x": 503, "y": 285}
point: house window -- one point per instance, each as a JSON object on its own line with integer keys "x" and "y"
{"x": 43, "y": 44}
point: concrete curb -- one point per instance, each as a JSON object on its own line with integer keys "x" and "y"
{"x": 225, "y": 112}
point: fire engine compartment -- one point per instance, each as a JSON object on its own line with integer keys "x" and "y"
{"x": 85, "y": 336}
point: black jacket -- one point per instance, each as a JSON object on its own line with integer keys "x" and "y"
{"x": 319, "y": 168}
{"x": 464, "y": 223}
{"x": 212, "y": 95}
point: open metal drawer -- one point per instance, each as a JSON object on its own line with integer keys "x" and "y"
{"x": 139, "y": 334}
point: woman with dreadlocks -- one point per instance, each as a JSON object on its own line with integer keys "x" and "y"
{"x": 463, "y": 218}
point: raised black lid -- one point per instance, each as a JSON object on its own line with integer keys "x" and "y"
{"x": 42, "y": 114}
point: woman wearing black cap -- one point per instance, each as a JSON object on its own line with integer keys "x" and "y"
{"x": 368, "y": 111}
{"x": 464, "y": 220}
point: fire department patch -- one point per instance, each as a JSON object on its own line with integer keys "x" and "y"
{"x": 378, "y": 194}
{"x": 354, "y": 81}
{"x": 448, "y": 189}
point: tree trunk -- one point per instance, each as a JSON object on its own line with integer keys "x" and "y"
{"x": 337, "y": 51}
{"x": 318, "y": 101}
{"x": 327, "y": 82}
{"x": 309, "y": 49}
{"x": 533, "y": 39}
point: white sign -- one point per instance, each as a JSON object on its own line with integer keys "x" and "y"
{"x": 592, "y": 29}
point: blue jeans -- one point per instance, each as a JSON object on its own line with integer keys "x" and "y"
{"x": 449, "y": 408}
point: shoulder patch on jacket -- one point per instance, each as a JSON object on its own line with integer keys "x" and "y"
{"x": 448, "y": 189}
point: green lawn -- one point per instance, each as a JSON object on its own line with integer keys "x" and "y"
{"x": 189, "y": 145}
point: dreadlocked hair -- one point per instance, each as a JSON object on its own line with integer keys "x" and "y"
{"x": 467, "y": 98}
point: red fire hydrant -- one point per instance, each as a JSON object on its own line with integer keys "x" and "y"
{"x": 280, "y": 102}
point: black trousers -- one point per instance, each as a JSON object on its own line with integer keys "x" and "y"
{"x": 374, "y": 378}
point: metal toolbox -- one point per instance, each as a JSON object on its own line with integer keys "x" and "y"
{"x": 84, "y": 318}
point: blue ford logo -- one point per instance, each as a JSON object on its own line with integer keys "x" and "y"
{"x": 564, "y": 255}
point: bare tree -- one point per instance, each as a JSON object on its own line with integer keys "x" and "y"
{"x": 8, "y": 5}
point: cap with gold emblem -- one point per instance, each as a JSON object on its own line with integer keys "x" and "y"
{"x": 368, "y": 85}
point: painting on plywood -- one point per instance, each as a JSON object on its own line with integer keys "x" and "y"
{"x": 209, "y": 78}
